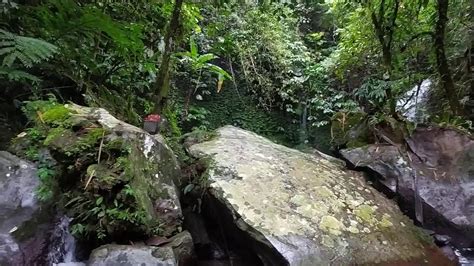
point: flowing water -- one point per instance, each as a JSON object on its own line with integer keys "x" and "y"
{"x": 465, "y": 256}
{"x": 63, "y": 244}
{"x": 413, "y": 104}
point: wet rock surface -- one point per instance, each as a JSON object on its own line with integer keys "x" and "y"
{"x": 441, "y": 161}
{"x": 178, "y": 251}
{"x": 18, "y": 182}
{"x": 303, "y": 209}
{"x": 112, "y": 255}
{"x": 28, "y": 229}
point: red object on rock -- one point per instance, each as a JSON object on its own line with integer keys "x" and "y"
{"x": 152, "y": 123}
{"x": 153, "y": 118}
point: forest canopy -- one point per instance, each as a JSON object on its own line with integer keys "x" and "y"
{"x": 302, "y": 62}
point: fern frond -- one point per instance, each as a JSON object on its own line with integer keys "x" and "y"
{"x": 17, "y": 75}
{"x": 28, "y": 51}
{"x": 6, "y": 50}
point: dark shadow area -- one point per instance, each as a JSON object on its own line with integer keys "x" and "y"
{"x": 217, "y": 238}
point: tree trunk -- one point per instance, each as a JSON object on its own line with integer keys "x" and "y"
{"x": 161, "y": 86}
{"x": 303, "y": 134}
{"x": 384, "y": 29}
{"x": 387, "y": 58}
{"x": 444, "y": 72}
{"x": 187, "y": 102}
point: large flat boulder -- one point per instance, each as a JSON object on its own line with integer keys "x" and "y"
{"x": 441, "y": 162}
{"x": 303, "y": 209}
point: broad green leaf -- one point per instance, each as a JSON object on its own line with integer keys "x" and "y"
{"x": 218, "y": 70}
{"x": 205, "y": 58}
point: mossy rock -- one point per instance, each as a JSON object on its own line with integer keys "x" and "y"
{"x": 56, "y": 115}
{"x": 117, "y": 180}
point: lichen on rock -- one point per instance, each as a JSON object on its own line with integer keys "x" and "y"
{"x": 331, "y": 225}
{"x": 306, "y": 207}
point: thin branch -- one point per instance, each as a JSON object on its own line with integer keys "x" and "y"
{"x": 413, "y": 95}
{"x": 98, "y": 161}
{"x": 233, "y": 78}
{"x": 100, "y": 147}
{"x": 416, "y": 36}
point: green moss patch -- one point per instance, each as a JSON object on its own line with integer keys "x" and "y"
{"x": 56, "y": 115}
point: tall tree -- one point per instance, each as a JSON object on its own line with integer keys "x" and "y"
{"x": 446, "y": 79}
{"x": 161, "y": 86}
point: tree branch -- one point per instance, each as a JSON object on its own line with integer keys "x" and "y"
{"x": 414, "y": 37}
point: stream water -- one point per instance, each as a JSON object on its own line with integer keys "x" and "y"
{"x": 63, "y": 246}
{"x": 465, "y": 256}
{"x": 413, "y": 104}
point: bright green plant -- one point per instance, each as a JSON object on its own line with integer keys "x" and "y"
{"x": 95, "y": 216}
{"x": 48, "y": 184}
{"x": 373, "y": 91}
{"x": 197, "y": 117}
{"x": 198, "y": 64}
{"x": 202, "y": 62}
{"x": 324, "y": 100}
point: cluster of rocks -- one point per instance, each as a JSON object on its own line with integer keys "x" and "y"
{"x": 285, "y": 206}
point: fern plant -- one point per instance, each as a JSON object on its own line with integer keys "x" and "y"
{"x": 22, "y": 52}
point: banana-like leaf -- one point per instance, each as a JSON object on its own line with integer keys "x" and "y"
{"x": 205, "y": 58}
{"x": 218, "y": 70}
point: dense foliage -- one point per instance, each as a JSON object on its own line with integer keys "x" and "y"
{"x": 310, "y": 59}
